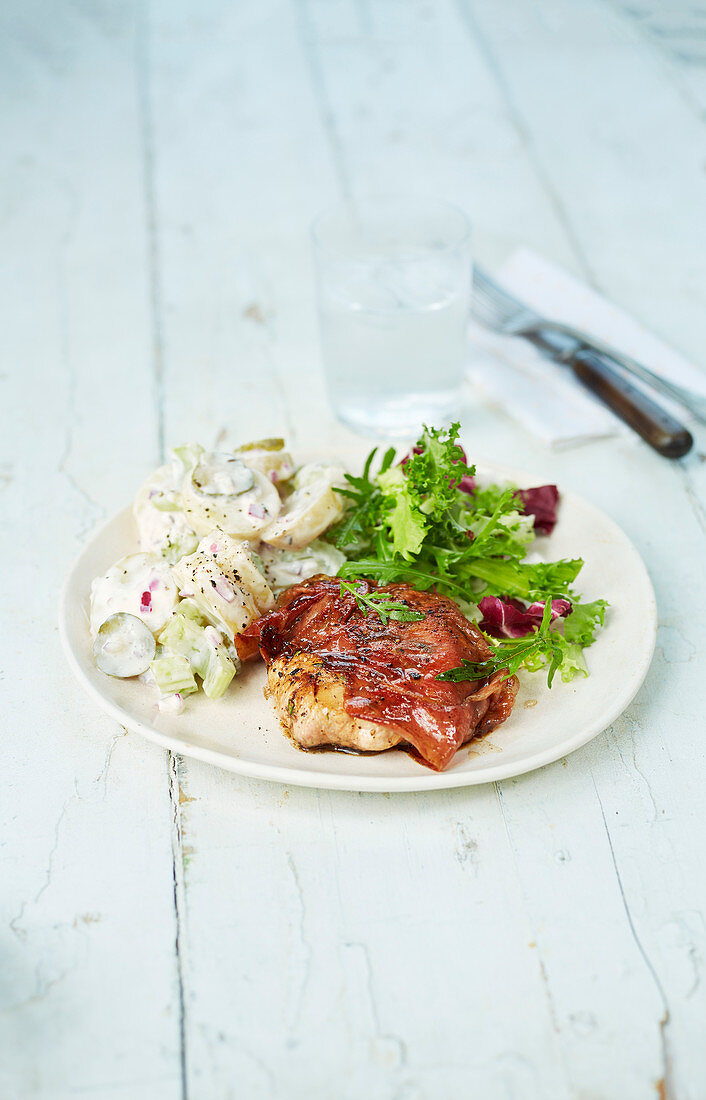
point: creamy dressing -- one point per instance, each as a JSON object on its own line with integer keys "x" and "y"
{"x": 142, "y": 585}
{"x": 221, "y": 474}
{"x": 171, "y": 704}
{"x": 159, "y": 515}
{"x": 283, "y": 568}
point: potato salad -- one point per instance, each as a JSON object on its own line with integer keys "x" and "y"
{"x": 221, "y": 534}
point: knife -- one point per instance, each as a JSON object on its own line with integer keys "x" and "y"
{"x": 594, "y": 366}
{"x": 602, "y": 375}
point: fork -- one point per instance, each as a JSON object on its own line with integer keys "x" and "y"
{"x": 497, "y": 309}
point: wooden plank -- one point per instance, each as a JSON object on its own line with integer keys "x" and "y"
{"x": 89, "y": 1001}
{"x": 416, "y": 109}
{"x": 367, "y": 946}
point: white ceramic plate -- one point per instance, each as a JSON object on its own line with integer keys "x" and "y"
{"x": 240, "y": 732}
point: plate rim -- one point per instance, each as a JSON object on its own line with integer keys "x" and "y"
{"x": 428, "y": 780}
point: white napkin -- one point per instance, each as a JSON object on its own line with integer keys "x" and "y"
{"x": 543, "y": 396}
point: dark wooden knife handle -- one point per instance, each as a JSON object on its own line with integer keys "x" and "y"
{"x": 656, "y": 426}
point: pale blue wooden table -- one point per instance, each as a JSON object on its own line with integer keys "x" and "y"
{"x": 171, "y": 931}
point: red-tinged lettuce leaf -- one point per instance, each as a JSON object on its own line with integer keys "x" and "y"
{"x": 541, "y": 503}
{"x": 510, "y": 619}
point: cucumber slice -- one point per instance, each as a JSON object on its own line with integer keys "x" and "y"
{"x": 124, "y": 646}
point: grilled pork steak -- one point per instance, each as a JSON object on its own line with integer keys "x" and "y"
{"x": 338, "y": 676}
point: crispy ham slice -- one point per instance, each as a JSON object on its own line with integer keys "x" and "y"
{"x": 340, "y": 677}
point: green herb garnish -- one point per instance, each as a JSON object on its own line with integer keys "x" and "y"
{"x": 546, "y": 646}
{"x": 512, "y": 653}
{"x": 381, "y": 605}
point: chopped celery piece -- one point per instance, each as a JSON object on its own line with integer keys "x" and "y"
{"x": 189, "y": 454}
{"x": 179, "y": 547}
{"x": 186, "y": 638}
{"x": 173, "y": 674}
{"x": 200, "y": 648}
{"x": 219, "y": 673}
{"x": 166, "y": 502}
{"x": 259, "y": 563}
{"x": 190, "y": 608}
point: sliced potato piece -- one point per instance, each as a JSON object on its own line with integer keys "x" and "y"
{"x": 158, "y": 512}
{"x": 222, "y": 491}
{"x": 270, "y": 458}
{"x": 225, "y": 583}
{"x": 312, "y": 507}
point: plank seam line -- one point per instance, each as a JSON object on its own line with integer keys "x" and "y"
{"x": 177, "y": 885}
{"x": 146, "y": 129}
{"x": 93, "y": 510}
{"x": 535, "y": 936}
{"x": 475, "y": 33}
{"x": 666, "y": 58}
{"x": 395, "y": 1040}
{"x": 666, "y": 1014}
{"x": 304, "y": 942}
{"x": 318, "y": 83}
{"x": 693, "y": 498}
{"x": 272, "y": 368}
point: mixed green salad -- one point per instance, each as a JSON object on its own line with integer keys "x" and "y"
{"x": 426, "y": 521}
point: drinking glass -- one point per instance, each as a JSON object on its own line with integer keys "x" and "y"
{"x": 394, "y": 286}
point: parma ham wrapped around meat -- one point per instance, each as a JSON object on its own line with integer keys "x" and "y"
{"x": 339, "y": 676}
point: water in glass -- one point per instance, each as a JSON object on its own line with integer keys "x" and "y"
{"x": 393, "y": 333}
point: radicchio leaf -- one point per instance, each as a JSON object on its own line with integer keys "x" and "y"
{"x": 541, "y": 503}
{"x": 510, "y": 619}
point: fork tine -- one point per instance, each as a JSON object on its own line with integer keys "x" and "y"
{"x": 491, "y": 304}
{"x": 483, "y": 310}
{"x": 487, "y": 309}
{"x": 487, "y": 288}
